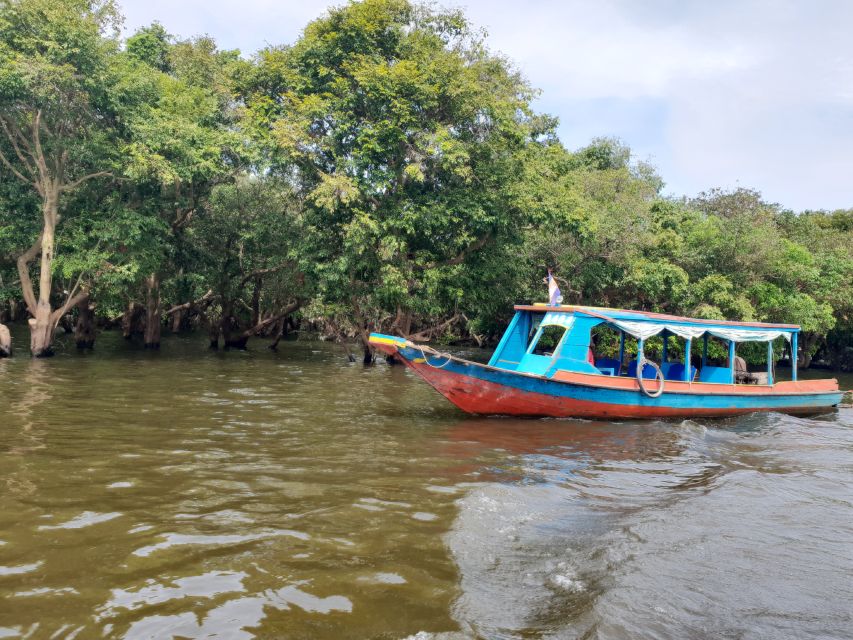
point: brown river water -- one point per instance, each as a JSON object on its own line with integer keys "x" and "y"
{"x": 192, "y": 494}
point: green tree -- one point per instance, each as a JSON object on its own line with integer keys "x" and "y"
{"x": 55, "y": 120}
{"x": 249, "y": 243}
{"x": 405, "y": 134}
{"x": 178, "y": 117}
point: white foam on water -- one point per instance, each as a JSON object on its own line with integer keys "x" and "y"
{"x": 567, "y": 583}
{"x": 119, "y": 485}
{"x": 85, "y": 519}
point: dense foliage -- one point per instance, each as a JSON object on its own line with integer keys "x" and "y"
{"x": 384, "y": 172}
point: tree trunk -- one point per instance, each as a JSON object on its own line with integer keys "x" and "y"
{"x": 84, "y": 330}
{"x": 177, "y": 321}
{"x": 212, "y": 330}
{"x": 132, "y": 320}
{"x": 364, "y": 335}
{"x": 407, "y": 323}
{"x": 807, "y": 343}
{"x": 228, "y": 326}
{"x": 41, "y": 332}
{"x": 5, "y": 342}
{"x": 213, "y": 335}
{"x": 232, "y": 338}
{"x": 152, "y": 313}
{"x": 281, "y": 331}
{"x": 256, "y": 302}
{"x": 41, "y": 324}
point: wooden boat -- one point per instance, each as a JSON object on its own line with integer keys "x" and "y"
{"x": 542, "y": 367}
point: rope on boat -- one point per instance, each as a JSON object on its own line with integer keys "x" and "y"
{"x": 438, "y": 354}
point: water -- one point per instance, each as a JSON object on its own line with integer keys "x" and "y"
{"x": 294, "y": 495}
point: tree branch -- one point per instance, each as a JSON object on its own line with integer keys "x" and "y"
{"x": 70, "y": 302}
{"x": 24, "y": 274}
{"x": 267, "y": 271}
{"x": 12, "y": 135}
{"x": 427, "y": 334}
{"x": 293, "y": 306}
{"x": 14, "y": 171}
{"x": 38, "y": 152}
{"x": 193, "y": 303}
{"x": 73, "y": 185}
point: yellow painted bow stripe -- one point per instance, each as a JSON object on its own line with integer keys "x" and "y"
{"x": 395, "y": 342}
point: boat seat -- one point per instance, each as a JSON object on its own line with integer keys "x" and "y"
{"x": 720, "y": 375}
{"x": 648, "y": 371}
{"x": 608, "y": 366}
{"x": 675, "y": 371}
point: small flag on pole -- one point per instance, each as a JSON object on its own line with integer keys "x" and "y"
{"x": 555, "y": 297}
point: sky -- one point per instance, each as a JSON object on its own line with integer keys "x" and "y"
{"x": 726, "y": 93}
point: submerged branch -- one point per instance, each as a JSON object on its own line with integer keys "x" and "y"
{"x": 207, "y": 297}
{"x": 293, "y": 306}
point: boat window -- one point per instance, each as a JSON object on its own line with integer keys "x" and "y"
{"x": 604, "y": 341}
{"x": 535, "y": 321}
{"x": 548, "y": 340}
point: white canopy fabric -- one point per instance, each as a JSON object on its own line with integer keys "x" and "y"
{"x": 645, "y": 330}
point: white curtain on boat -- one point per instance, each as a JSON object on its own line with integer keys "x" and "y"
{"x": 645, "y": 330}
{"x": 560, "y": 319}
{"x": 745, "y": 335}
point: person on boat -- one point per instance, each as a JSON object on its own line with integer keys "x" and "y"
{"x": 590, "y": 352}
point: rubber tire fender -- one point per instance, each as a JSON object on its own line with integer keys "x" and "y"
{"x": 641, "y": 364}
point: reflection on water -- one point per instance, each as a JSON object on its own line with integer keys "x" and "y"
{"x": 253, "y": 495}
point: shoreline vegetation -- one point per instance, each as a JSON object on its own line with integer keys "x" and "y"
{"x": 385, "y": 172}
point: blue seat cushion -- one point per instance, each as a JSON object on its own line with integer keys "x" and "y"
{"x": 675, "y": 371}
{"x": 720, "y": 375}
{"x": 608, "y": 366}
{"x": 648, "y": 371}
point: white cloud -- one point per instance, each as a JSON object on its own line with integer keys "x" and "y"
{"x": 751, "y": 92}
